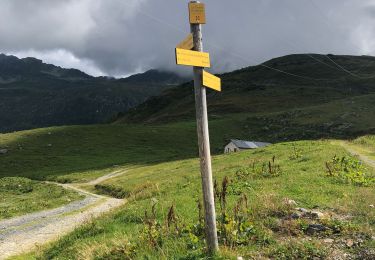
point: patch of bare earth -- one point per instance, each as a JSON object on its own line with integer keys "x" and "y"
{"x": 334, "y": 232}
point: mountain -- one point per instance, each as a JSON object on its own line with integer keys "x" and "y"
{"x": 13, "y": 69}
{"x": 290, "y": 97}
{"x": 153, "y": 76}
{"x": 34, "y": 94}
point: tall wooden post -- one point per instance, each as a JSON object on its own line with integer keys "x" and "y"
{"x": 204, "y": 144}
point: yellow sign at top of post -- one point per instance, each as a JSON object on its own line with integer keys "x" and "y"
{"x": 197, "y": 13}
{"x": 211, "y": 81}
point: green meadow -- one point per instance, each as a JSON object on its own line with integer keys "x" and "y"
{"x": 163, "y": 171}
{"x": 80, "y": 154}
{"x": 20, "y": 196}
{"x": 301, "y": 178}
{"x": 304, "y": 197}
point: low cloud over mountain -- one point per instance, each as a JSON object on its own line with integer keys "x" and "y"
{"x": 118, "y": 38}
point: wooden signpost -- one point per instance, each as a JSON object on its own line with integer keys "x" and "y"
{"x": 200, "y": 60}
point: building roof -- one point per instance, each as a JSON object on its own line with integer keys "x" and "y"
{"x": 248, "y": 144}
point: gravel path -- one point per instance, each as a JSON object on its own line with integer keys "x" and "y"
{"x": 362, "y": 157}
{"x": 23, "y": 234}
{"x": 107, "y": 177}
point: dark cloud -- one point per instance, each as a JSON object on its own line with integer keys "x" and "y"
{"x": 119, "y": 37}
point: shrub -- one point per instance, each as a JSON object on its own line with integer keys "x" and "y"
{"x": 236, "y": 228}
{"x": 296, "y": 154}
{"x": 349, "y": 170}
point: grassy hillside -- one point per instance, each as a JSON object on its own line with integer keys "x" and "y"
{"x": 79, "y": 152}
{"x": 345, "y": 118}
{"x": 34, "y": 94}
{"x": 301, "y": 198}
{"x": 270, "y": 230}
{"x": 20, "y": 196}
{"x": 162, "y": 167}
{"x": 329, "y": 102}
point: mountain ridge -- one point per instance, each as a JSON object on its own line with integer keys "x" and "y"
{"x": 286, "y": 94}
{"x": 35, "y": 94}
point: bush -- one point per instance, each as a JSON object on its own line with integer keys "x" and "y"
{"x": 349, "y": 170}
{"x": 296, "y": 154}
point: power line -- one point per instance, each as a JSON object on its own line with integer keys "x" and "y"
{"x": 152, "y": 17}
{"x": 176, "y": 28}
{"x": 268, "y": 67}
{"x": 328, "y": 23}
{"x": 341, "y": 67}
{"x": 365, "y": 66}
{"x": 309, "y": 55}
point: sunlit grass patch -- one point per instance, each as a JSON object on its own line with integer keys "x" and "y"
{"x": 267, "y": 229}
{"x": 20, "y": 196}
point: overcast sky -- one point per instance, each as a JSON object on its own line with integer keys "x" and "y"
{"x": 121, "y": 37}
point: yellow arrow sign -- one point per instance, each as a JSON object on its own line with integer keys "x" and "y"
{"x": 197, "y": 13}
{"x": 187, "y": 43}
{"x": 211, "y": 81}
{"x": 192, "y": 58}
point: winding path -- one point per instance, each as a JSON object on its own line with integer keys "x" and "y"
{"x": 23, "y": 234}
{"x": 367, "y": 160}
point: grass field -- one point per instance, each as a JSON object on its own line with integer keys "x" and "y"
{"x": 257, "y": 192}
{"x": 20, "y": 196}
{"x": 302, "y": 178}
{"x": 163, "y": 171}
{"x": 80, "y": 154}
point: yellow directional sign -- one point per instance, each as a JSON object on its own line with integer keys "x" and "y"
{"x": 192, "y": 58}
{"x": 211, "y": 81}
{"x": 197, "y": 13}
{"x": 187, "y": 43}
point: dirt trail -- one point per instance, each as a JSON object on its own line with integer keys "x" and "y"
{"x": 107, "y": 177}
{"x": 22, "y": 234}
{"x": 355, "y": 152}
